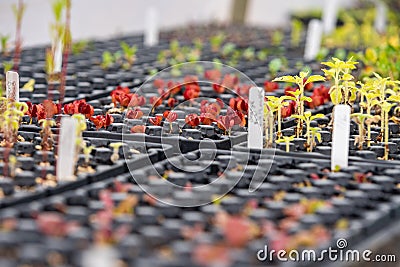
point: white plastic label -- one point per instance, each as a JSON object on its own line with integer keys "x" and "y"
{"x": 12, "y": 85}
{"x": 340, "y": 136}
{"x": 313, "y": 40}
{"x": 151, "y": 32}
{"x": 329, "y": 16}
{"x": 66, "y": 149}
{"x": 255, "y": 118}
{"x": 99, "y": 256}
{"x": 380, "y": 17}
{"x": 58, "y": 57}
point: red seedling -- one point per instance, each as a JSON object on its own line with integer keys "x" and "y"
{"x": 102, "y": 120}
{"x": 159, "y": 83}
{"x": 288, "y": 110}
{"x": 136, "y": 100}
{"x": 192, "y": 120}
{"x": 171, "y": 102}
{"x": 134, "y": 113}
{"x": 270, "y": 86}
{"x": 191, "y": 92}
{"x": 173, "y": 88}
{"x": 138, "y": 129}
{"x": 155, "y": 101}
{"x": 156, "y": 120}
{"x": 170, "y": 116}
{"x": 239, "y": 104}
{"x": 212, "y": 75}
{"x": 211, "y": 255}
{"x": 79, "y": 106}
{"x": 319, "y": 96}
{"x": 116, "y": 94}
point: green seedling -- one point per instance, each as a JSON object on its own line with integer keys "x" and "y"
{"x": 286, "y": 140}
{"x": 4, "y": 44}
{"x": 86, "y": 152}
{"x": 296, "y": 32}
{"x": 343, "y": 88}
{"x": 18, "y": 11}
{"x": 307, "y": 118}
{"x": 216, "y": 41}
{"x": 277, "y": 38}
{"x": 115, "y": 147}
{"x": 277, "y": 103}
{"x": 360, "y": 118}
{"x": 129, "y": 54}
{"x": 29, "y": 85}
{"x": 301, "y": 80}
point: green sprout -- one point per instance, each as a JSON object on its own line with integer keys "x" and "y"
{"x": 296, "y": 32}
{"x": 360, "y": 118}
{"x": 307, "y": 118}
{"x": 216, "y": 41}
{"x": 343, "y": 88}
{"x": 277, "y": 103}
{"x": 277, "y": 38}
{"x": 107, "y": 60}
{"x": 115, "y": 147}
{"x": 129, "y": 54}
{"x": 301, "y": 80}
{"x": 286, "y": 140}
{"x": 4, "y": 44}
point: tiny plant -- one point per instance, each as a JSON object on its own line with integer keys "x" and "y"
{"x": 286, "y": 140}
{"x": 360, "y": 118}
{"x": 307, "y": 118}
{"x": 18, "y": 11}
{"x": 4, "y": 44}
{"x": 115, "y": 147}
{"x": 301, "y": 80}
{"x": 343, "y": 88}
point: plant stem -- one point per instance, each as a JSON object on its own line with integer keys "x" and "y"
{"x": 271, "y": 129}
{"x": 287, "y": 146}
{"x": 18, "y": 42}
{"x": 279, "y": 121}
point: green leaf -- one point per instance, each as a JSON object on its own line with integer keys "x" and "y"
{"x": 288, "y": 79}
{"x": 306, "y": 98}
{"x": 315, "y": 78}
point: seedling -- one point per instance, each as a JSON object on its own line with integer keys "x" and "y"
{"x": 277, "y": 38}
{"x": 79, "y": 46}
{"x": 170, "y": 117}
{"x": 86, "y": 151}
{"x": 343, "y": 89}
{"x": 29, "y": 85}
{"x": 216, "y": 41}
{"x": 274, "y": 66}
{"x": 367, "y": 92}
{"x": 301, "y": 80}
{"x": 286, "y": 140}
{"x": 46, "y": 134}
{"x": 297, "y": 30}
{"x": 307, "y": 118}
{"x": 107, "y": 60}
{"x": 115, "y": 147}
{"x": 129, "y": 54}
{"x": 4, "y": 44}
{"x": 315, "y": 134}
{"x": 19, "y": 11}
{"x": 278, "y": 104}
{"x": 10, "y": 120}
{"x": 360, "y": 118}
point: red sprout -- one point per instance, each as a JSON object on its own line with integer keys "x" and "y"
{"x": 192, "y": 120}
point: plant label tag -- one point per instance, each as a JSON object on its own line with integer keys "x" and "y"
{"x": 12, "y": 85}
{"x": 66, "y": 149}
{"x": 380, "y": 17}
{"x": 340, "y": 136}
{"x": 313, "y": 40}
{"x": 255, "y": 119}
{"x": 99, "y": 256}
{"x": 329, "y": 16}
{"x": 58, "y": 57}
{"x": 151, "y": 32}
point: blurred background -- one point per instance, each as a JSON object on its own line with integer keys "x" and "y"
{"x": 104, "y": 18}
